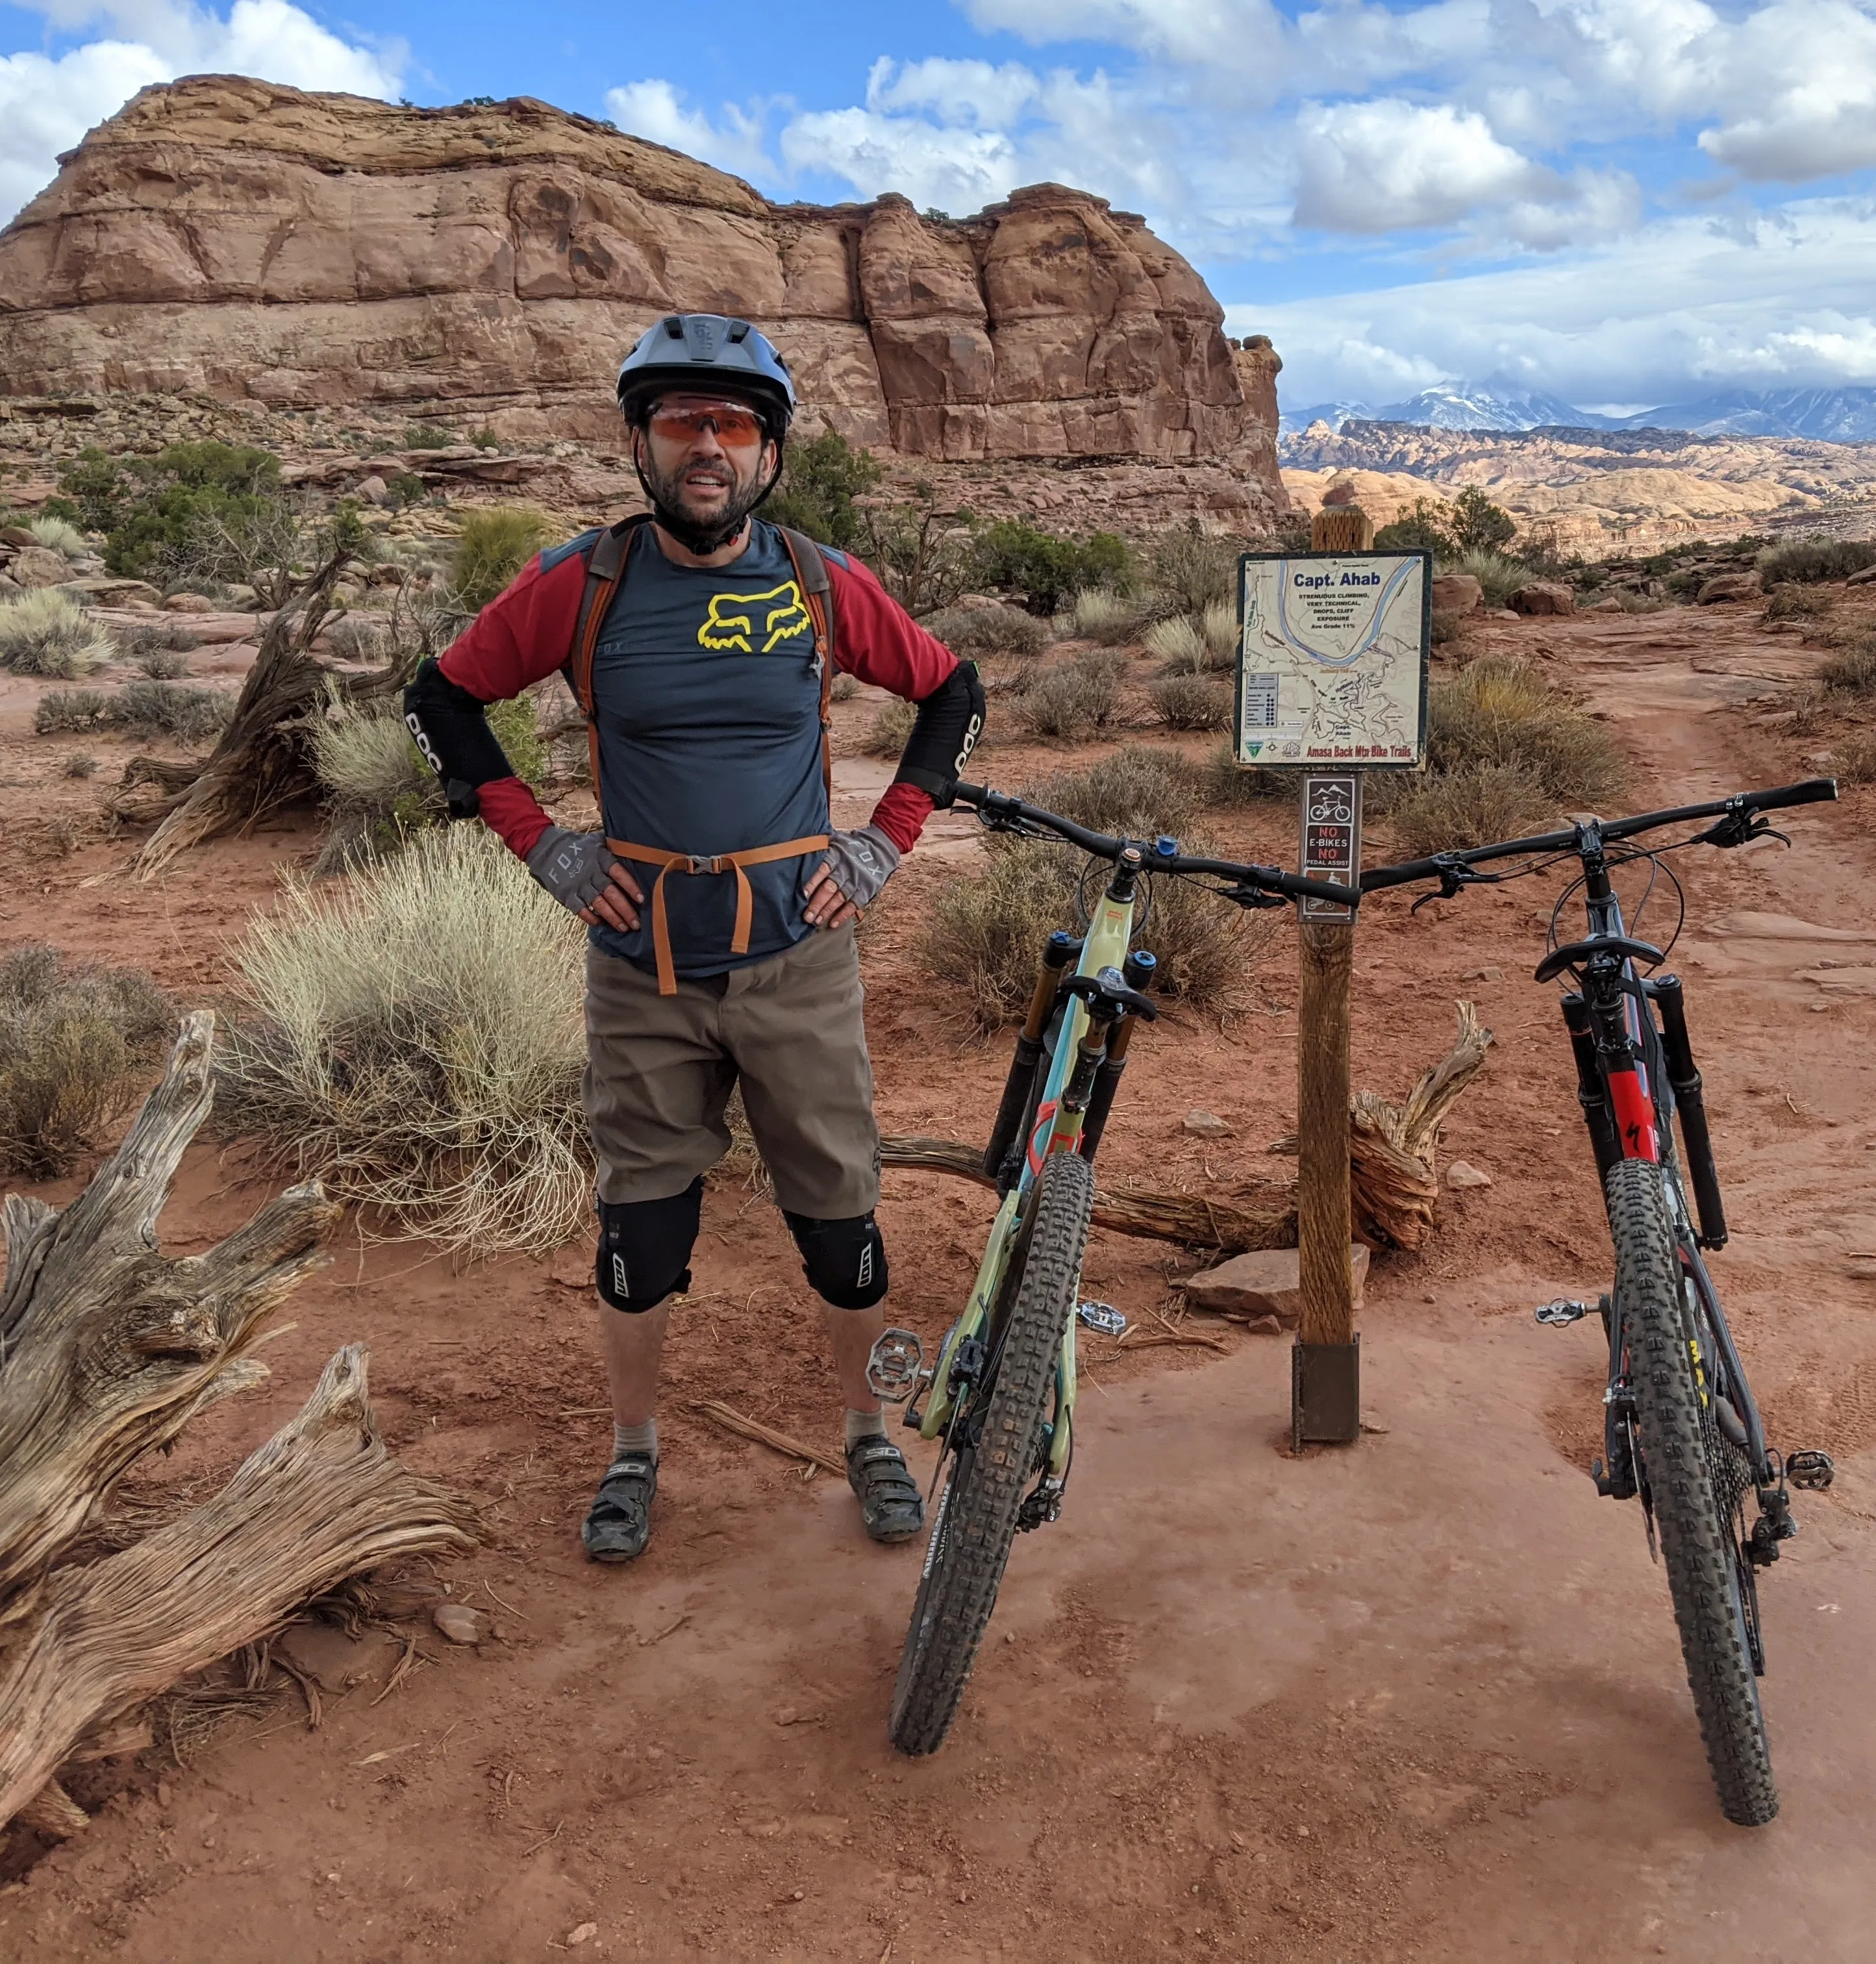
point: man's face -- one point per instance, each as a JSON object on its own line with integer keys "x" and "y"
{"x": 704, "y": 455}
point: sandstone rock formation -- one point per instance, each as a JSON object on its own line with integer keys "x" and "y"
{"x": 236, "y": 239}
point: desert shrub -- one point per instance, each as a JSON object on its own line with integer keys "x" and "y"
{"x": 1075, "y": 700}
{"x": 412, "y": 1035}
{"x": 1227, "y": 782}
{"x": 1500, "y": 576}
{"x": 1851, "y": 668}
{"x": 58, "y": 535}
{"x": 47, "y": 632}
{"x": 988, "y": 630}
{"x": 360, "y": 637}
{"x": 922, "y": 546}
{"x": 987, "y": 930}
{"x": 161, "y": 664}
{"x": 81, "y": 764}
{"x": 845, "y": 687}
{"x": 1854, "y": 761}
{"x": 1421, "y": 529}
{"x": 891, "y": 726}
{"x": 1193, "y": 701}
{"x": 428, "y": 436}
{"x": 63, "y": 710}
{"x": 820, "y": 480}
{"x": 1807, "y": 562}
{"x": 74, "y": 1041}
{"x": 153, "y": 509}
{"x": 1046, "y": 568}
{"x": 1789, "y": 601}
{"x": 1219, "y": 625}
{"x": 171, "y": 709}
{"x": 404, "y": 489}
{"x": 492, "y": 548}
{"x": 1470, "y": 805}
{"x": 1190, "y": 570}
{"x": 1501, "y": 711}
{"x": 1179, "y": 642}
{"x": 1474, "y": 524}
{"x": 168, "y": 636}
{"x": 1633, "y": 600}
{"x": 1101, "y": 615}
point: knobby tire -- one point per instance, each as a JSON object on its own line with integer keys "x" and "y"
{"x": 1695, "y": 1528}
{"x": 976, "y": 1519}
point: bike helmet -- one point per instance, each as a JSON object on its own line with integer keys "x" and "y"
{"x": 704, "y": 351}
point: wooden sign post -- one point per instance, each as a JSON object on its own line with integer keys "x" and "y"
{"x": 1332, "y": 681}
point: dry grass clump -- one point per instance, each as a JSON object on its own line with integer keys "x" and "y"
{"x": 1219, "y": 625}
{"x": 63, "y": 710}
{"x": 1193, "y": 701}
{"x": 1500, "y": 576}
{"x": 1855, "y": 759}
{"x": 147, "y": 638}
{"x": 1789, "y": 601}
{"x": 414, "y": 1039}
{"x": 169, "y": 709}
{"x": 992, "y": 630}
{"x": 1851, "y": 669}
{"x": 161, "y": 664}
{"x": 58, "y": 535}
{"x": 1505, "y": 752}
{"x": 47, "y": 632}
{"x": 1179, "y": 643}
{"x": 81, "y": 764}
{"x": 892, "y": 724}
{"x": 1075, "y": 700}
{"x": 988, "y": 931}
{"x": 1810, "y": 561}
{"x": 1102, "y": 614}
{"x": 74, "y": 1040}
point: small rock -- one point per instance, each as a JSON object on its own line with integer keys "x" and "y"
{"x": 1375, "y": 1426}
{"x": 1263, "y": 1283}
{"x": 1461, "y": 1173}
{"x": 1264, "y": 1326}
{"x": 1611, "y": 606}
{"x": 374, "y": 491}
{"x": 165, "y": 1794}
{"x": 188, "y": 603}
{"x": 1729, "y": 586}
{"x": 1483, "y": 975}
{"x": 458, "y": 1622}
{"x": 38, "y": 566}
{"x": 581, "y": 1934}
{"x": 17, "y": 536}
{"x": 1456, "y": 593}
{"x": 1206, "y": 1125}
{"x": 1504, "y": 613}
{"x": 1543, "y": 596}
{"x": 1863, "y": 579}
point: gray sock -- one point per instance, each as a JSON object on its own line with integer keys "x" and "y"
{"x": 642, "y": 1440}
{"x": 864, "y": 1425}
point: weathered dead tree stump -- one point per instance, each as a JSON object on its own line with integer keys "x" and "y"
{"x": 321, "y": 1501}
{"x": 1391, "y": 1150}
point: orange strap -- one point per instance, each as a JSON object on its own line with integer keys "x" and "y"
{"x": 668, "y": 863}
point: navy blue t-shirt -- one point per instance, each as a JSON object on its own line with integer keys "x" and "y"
{"x": 706, "y": 691}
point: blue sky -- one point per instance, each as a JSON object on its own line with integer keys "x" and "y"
{"x": 1625, "y": 202}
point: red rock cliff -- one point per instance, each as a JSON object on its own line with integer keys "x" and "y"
{"x": 234, "y": 238}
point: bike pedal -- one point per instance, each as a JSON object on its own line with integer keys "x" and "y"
{"x": 1810, "y": 1472}
{"x": 1042, "y": 1504}
{"x": 1103, "y": 1316}
{"x": 893, "y": 1366}
{"x": 1557, "y": 1314}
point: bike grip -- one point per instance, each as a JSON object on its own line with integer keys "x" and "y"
{"x": 958, "y": 792}
{"x": 1301, "y": 889}
{"x": 1404, "y": 875}
{"x": 1813, "y": 791}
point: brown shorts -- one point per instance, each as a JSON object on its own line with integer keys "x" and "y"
{"x": 659, "y": 1070}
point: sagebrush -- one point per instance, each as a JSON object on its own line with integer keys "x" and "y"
{"x": 1807, "y": 562}
{"x": 47, "y": 632}
{"x": 1074, "y": 700}
{"x": 1193, "y": 701}
{"x": 412, "y": 1035}
{"x": 996, "y": 630}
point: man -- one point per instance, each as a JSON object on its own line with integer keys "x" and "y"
{"x": 699, "y": 665}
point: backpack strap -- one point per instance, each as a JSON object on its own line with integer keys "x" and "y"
{"x": 605, "y": 567}
{"x": 817, "y": 592}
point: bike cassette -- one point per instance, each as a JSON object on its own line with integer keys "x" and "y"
{"x": 1103, "y": 1317}
{"x": 1563, "y": 1311}
{"x": 894, "y": 1365}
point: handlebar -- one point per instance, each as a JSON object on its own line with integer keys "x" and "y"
{"x": 1735, "y": 813}
{"x": 1004, "y": 813}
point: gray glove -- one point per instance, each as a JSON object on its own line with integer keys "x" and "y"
{"x": 572, "y": 866}
{"x": 861, "y": 862}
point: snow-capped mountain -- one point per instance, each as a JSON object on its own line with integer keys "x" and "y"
{"x": 1825, "y": 415}
{"x": 1497, "y": 404}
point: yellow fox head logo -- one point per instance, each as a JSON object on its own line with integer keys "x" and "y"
{"x": 783, "y": 617}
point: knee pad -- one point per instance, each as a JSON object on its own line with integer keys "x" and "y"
{"x": 844, "y": 1261}
{"x": 645, "y": 1248}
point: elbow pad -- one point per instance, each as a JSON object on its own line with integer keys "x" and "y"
{"x": 450, "y": 727}
{"x": 943, "y": 733}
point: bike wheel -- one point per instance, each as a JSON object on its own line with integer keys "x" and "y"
{"x": 1697, "y": 1545}
{"x": 976, "y": 1521}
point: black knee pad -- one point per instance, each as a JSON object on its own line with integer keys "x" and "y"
{"x": 645, "y": 1248}
{"x": 845, "y": 1260}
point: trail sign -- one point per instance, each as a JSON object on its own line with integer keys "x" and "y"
{"x": 1333, "y": 650}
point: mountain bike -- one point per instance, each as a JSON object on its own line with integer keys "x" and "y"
{"x": 1681, "y": 1431}
{"x": 1000, "y": 1400}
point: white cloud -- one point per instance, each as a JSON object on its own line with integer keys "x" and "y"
{"x": 972, "y": 93}
{"x": 653, "y": 110}
{"x": 47, "y": 103}
{"x": 955, "y": 170}
{"x": 1389, "y": 166}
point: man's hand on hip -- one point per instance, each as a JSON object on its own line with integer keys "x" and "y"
{"x": 582, "y": 872}
{"x": 847, "y": 881}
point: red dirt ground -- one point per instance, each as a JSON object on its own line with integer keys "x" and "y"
{"x": 1419, "y": 1698}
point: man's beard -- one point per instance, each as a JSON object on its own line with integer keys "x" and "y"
{"x": 700, "y": 535}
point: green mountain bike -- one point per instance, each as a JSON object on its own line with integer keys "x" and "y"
{"x": 1000, "y": 1401}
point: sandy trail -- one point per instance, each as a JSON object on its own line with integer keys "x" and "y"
{"x": 1420, "y": 1699}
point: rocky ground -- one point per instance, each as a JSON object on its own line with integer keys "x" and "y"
{"x": 1418, "y": 1699}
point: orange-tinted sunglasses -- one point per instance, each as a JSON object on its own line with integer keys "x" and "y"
{"x": 737, "y": 426}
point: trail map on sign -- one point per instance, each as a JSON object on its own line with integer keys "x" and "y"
{"x": 1332, "y": 663}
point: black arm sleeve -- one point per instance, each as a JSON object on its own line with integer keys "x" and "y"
{"x": 451, "y": 727}
{"x": 943, "y": 733}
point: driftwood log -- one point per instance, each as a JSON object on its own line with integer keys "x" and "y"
{"x": 1392, "y": 1152}
{"x": 321, "y": 1501}
{"x": 108, "y": 1347}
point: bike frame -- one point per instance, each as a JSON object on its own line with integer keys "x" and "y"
{"x": 1108, "y": 941}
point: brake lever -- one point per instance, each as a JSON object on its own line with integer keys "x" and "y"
{"x": 1452, "y": 877}
{"x": 1245, "y": 895}
{"x": 1740, "y": 828}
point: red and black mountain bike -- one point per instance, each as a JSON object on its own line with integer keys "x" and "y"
{"x": 1681, "y": 1431}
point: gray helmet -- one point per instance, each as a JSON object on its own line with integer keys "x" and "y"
{"x": 704, "y": 351}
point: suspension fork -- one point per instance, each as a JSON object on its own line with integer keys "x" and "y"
{"x": 1615, "y": 1018}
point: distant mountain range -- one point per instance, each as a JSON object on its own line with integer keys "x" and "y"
{"x": 1827, "y": 415}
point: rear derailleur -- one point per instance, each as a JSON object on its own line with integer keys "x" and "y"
{"x": 1811, "y": 1472}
